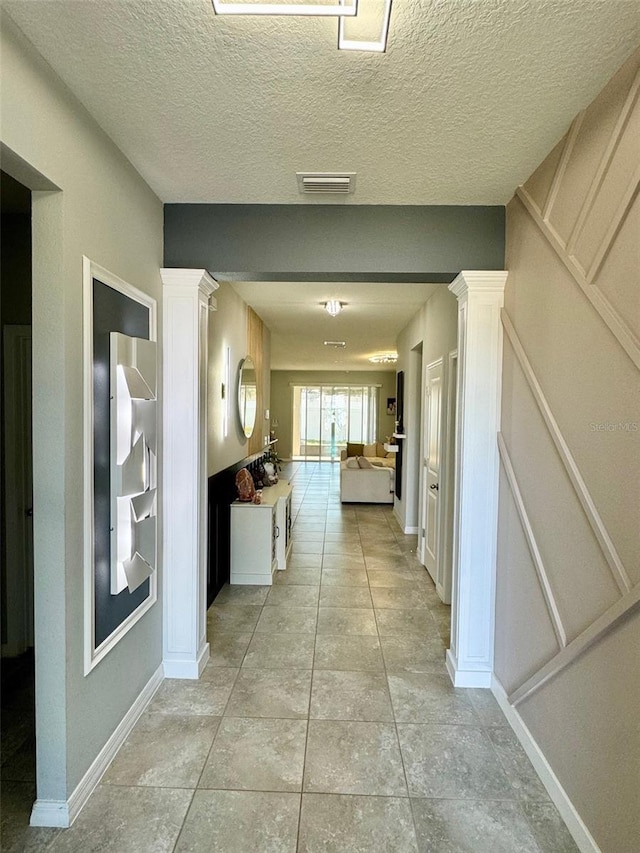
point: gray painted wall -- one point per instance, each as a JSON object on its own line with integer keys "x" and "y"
{"x": 105, "y": 211}
{"x": 325, "y": 242}
{"x": 432, "y": 334}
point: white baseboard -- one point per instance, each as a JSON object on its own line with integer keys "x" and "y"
{"x": 187, "y": 668}
{"x": 559, "y": 796}
{"x": 466, "y": 677}
{"x": 62, "y": 813}
{"x": 410, "y": 530}
{"x": 50, "y": 813}
{"x": 440, "y": 591}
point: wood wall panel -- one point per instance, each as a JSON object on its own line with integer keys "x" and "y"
{"x": 618, "y": 278}
{"x": 569, "y": 529}
{"x": 599, "y": 125}
{"x": 525, "y": 639}
{"x": 586, "y": 377}
{"x": 610, "y": 185}
{"x": 539, "y": 184}
{"x": 580, "y": 577}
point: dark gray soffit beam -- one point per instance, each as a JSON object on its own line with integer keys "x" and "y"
{"x": 322, "y": 242}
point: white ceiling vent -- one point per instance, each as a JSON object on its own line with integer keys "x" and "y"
{"x": 326, "y": 182}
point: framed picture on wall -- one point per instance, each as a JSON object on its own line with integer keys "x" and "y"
{"x": 120, "y": 452}
{"x": 391, "y": 406}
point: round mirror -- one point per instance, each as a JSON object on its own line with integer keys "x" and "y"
{"x": 247, "y": 395}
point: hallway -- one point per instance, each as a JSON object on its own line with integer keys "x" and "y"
{"x": 325, "y": 720}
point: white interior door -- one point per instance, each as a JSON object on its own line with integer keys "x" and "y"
{"x": 18, "y": 490}
{"x": 432, "y": 461}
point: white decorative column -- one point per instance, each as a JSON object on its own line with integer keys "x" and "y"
{"x": 186, "y": 303}
{"x": 480, "y": 298}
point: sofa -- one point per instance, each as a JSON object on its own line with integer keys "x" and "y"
{"x": 367, "y": 474}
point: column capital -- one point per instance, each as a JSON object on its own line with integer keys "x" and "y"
{"x": 479, "y": 281}
{"x": 185, "y": 277}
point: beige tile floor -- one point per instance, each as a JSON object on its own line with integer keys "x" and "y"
{"x": 325, "y": 720}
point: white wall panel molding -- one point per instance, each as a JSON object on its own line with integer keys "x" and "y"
{"x": 608, "y": 621}
{"x": 559, "y": 796}
{"x": 480, "y": 298}
{"x": 614, "y": 227}
{"x": 605, "y": 163}
{"x": 567, "y": 151}
{"x": 543, "y": 578}
{"x": 616, "y": 324}
{"x": 186, "y": 302}
{"x": 614, "y": 562}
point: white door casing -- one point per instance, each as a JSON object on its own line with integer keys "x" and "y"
{"x": 447, "y": 482}
{"x": 431, "y": 469}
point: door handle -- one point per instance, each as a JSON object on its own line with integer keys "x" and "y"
{"x": 434, "y": 486}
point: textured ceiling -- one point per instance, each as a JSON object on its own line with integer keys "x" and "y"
{"x": 369, "y": 323}
{"x": 469, "y": 98}
{"x": 466, "y": 102}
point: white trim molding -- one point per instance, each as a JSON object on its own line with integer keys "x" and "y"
{"x": 62, "y": 813}
{"x": 534, "y": 550}
{"x": 618, "y": 326}
{"x": 613, "y": 616}
{"x": 186, "y": 303}
{"x": 90, "y": 270}
{"x": 480, "y": 298}
{"x": 618, "y": 571}
{"x": 559, "y": 796}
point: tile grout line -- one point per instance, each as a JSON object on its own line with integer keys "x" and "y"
{"x": 395, "y": 727}
{"x": 306, "y": 742}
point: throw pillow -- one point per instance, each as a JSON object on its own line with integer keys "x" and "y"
{"x": 369, "y": 450}
{"x": 363, "y": 462}
{"x": 354, "y": 449}
{"x": 352, "y": 462}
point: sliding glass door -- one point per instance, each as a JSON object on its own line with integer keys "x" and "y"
{"x": 326, "y": 417}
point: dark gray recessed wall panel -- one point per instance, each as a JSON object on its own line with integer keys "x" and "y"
{"x": 325, "y": 242}
{"x": 112, "y": 312}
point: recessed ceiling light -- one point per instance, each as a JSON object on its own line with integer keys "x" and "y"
{"x": 333, "y": 307}
{"x": 336, "y": 10}
{"x": 384, "y": 358}
{"x": 335, "y": 344}
{"x": 374, "y": 14}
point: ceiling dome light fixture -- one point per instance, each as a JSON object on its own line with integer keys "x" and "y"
{"x": 333, "y": 307}
{"x": 367, "y": 17}
{"x": 384, "y": 358}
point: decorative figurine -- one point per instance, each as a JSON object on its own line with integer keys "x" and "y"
{"x": 245, "y": 485}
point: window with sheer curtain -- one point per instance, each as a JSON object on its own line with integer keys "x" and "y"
{"x": 326, "y": 417}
